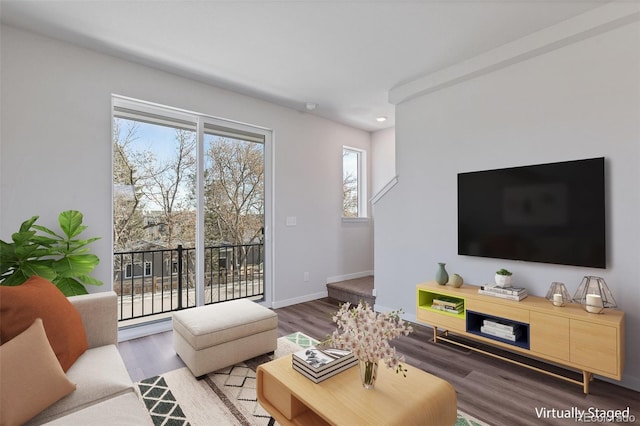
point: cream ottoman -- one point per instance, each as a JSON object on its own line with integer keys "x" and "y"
{"x": 208, "y": 338}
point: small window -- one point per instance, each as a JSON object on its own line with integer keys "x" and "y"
{"x": 137, "y": 270}
{"x": 353, "y": 183}
{"x": 147, "y": 269}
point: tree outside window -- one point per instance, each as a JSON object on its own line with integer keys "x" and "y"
{"x": 353, "y": 196}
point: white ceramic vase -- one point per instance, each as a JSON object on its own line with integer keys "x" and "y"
{"x": 503, "y": 280}
{"x": 455, "y": 280}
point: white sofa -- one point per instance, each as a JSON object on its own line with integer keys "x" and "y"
{"x": 104, "y": 391}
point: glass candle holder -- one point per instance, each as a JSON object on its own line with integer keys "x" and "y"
{"x": 594, "y": 294}
{"x": 558, "y": 294}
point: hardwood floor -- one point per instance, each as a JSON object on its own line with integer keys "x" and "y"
{"x": 492, "y": 390}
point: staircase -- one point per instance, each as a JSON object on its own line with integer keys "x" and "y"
{"x": 353, "y": 291}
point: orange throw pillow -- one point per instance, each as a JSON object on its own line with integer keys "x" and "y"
{"x": 31, "y": 376}
{"x": 39, "y": 298}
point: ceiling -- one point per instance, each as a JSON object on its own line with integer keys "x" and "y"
{"x": 342, "y": 55}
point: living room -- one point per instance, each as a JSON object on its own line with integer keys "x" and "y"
{"x": 578, "y": 97}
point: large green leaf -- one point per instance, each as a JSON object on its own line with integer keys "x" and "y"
{"x": 46, "y": 230}
{"x": 7, "y": 251}
{"x": 17, "y": 278}
{"x": 30, "y": 252}
{"x": 74, "y": 246}
{"x": 89, "y": 280}
{"x": 72, "y": 266}
{"x": 71, "y": 223}
{"x": 42, "y": 269}
{"x": 23, "y": 237}
{"x": 26, "y": 225}
{"x": 44, "y": 241}
{"x": 70, "y": 287}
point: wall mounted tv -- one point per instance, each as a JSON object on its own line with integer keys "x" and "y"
{"x": 550, "y": 213}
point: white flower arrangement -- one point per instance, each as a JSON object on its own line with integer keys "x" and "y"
{"x": 367, "y": 333}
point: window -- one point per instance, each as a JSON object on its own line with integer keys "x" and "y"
{"x": 137, "y": 270}
{"x": 353, "y": 183}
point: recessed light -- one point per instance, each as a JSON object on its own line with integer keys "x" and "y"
{"x": 311, "y": 106}
{"x": 381, "y": 119}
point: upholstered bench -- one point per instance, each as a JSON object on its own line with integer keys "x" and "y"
{"x": 208, "y": 338}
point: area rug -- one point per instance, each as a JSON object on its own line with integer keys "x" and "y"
{"x": 224, "y": 397}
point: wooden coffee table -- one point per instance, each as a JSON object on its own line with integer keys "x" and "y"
{"x": 292, "y": 399}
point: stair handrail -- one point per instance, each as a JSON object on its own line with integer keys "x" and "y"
{"x": 384, "y": 190}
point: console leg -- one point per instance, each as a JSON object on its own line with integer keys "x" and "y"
{"x": 586, "y": 378}
{"x": 435, "y": 334}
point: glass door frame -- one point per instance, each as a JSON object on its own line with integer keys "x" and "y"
{"x": 267, "y": 136}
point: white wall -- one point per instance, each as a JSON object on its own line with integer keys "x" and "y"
{"x": 56, "y": 155}
{"x": 579, "y": 101}
{"x": 383, "y": 162}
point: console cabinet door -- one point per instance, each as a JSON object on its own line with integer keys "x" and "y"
{"x": 594, "y": 346}
{"x": 549, "y": 335}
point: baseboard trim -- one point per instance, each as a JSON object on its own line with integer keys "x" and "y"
{"x": 143, "y": 330}
{"x": 301, "y": 299}
{"x": 405, "y": 316}
{"x": 338, "y": 278}
{"x": 629, "y": 382}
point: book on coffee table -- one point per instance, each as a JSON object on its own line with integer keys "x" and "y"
{"x": 320, "y": 364}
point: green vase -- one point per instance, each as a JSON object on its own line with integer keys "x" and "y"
{"x": 442, "y": 277}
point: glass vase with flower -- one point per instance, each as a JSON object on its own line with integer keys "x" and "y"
{"x": 367, "y": 333}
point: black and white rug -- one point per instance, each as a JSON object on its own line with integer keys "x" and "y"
{"x": 224, "y": 397}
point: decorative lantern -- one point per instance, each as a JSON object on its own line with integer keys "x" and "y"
{"x": 594, "y": 295}
{"x": 558, "y": 294}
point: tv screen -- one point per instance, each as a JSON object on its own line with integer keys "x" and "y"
{"x": 550, "y": 213}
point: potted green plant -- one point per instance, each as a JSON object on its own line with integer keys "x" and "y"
{"x": 62, "y": 258}
{"x": 503, "y": 278}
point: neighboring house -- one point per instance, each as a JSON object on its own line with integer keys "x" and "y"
{"x": 150, "y": 260}
{"x": 146, "y": 259}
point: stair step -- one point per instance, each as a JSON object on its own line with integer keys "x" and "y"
{"x": 353, "y": 291}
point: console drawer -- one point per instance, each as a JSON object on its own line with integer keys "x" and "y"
{"x": 498, "y": 310}
{"x": 441, "y": 320}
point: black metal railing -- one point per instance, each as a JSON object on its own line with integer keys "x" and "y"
{"x": 152, "y": 282}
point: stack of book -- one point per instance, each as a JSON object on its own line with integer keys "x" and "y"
{"x": 454, "y": 306}
{"x": 503, "y": 330}
{"x": 510, "y": 293}
{"x": 320, "y": 364}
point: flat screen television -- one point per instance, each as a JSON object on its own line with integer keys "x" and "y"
{"x": 549, "y": 213}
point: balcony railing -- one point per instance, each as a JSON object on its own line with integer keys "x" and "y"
{"x": 153, "y": 282}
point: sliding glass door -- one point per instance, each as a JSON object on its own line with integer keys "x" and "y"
{"x": 190, "y": 209}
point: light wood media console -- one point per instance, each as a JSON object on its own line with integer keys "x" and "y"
{"x": 568, "y": 335}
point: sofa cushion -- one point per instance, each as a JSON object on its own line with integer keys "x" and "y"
{"x": 39, "y": 298}
{"x": 123, "y": 410}
{"x": 99, "y": 374}
{"x": 31, "y": 378}
{"x": 212, "y": 325}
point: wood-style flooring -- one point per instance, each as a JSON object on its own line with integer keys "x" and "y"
{"x": 498, "y": 392}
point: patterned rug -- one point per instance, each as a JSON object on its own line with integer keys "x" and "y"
{"x": 225, "y": 397}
